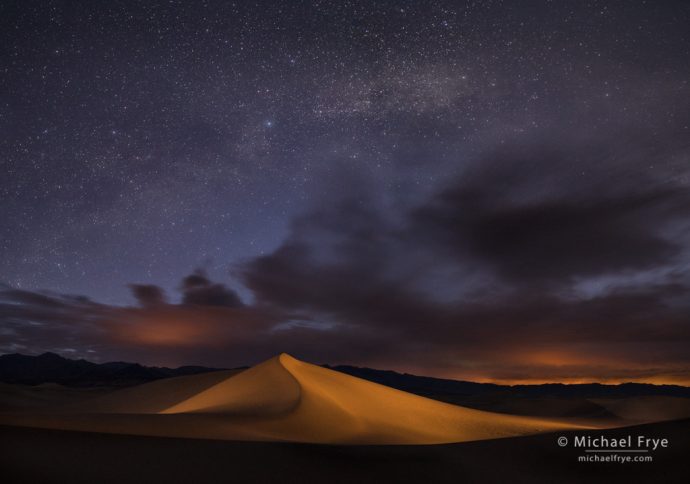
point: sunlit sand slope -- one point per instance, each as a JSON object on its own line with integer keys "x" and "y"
{"x": 284, "y": 399}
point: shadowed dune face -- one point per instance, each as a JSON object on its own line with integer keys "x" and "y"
{"x": 156, "y": 396}
{"x": 547, "y": 407}
{"x": 284, "y": 399}
{"x": 654, "y": 408}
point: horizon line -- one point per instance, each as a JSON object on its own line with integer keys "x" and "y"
{"x": 502, "y": 383}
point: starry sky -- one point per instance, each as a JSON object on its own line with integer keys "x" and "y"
{"x": 494, "y": 190}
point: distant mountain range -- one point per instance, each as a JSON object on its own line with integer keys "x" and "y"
{"x": 447, "y": 389}
{"x": 53, "y": 368}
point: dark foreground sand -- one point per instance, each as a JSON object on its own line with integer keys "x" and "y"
{"x": 36, "y": 456}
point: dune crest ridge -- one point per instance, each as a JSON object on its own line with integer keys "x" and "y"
{"x": 263, "y": 390}
{"x": 285, "y": 399}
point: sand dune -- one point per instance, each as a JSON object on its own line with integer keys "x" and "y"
{"x": 284, "y": 399}
{"x": 313, "y": 404}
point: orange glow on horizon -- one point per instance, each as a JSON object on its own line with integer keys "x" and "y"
{"x": 173, "y": 328}
{"x": 655, "y": 380}
{"x": 554, "y": 366}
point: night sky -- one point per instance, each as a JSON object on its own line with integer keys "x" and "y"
{"x": 481, "y": 190}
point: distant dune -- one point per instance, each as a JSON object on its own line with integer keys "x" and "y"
{"x": 649, "y": 408}
{"x": 284, "y": 399}
{"x": 26, "y": 398}
{"x": 156, "y": 396}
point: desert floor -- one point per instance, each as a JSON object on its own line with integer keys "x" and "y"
{"x": 30, "y": 455}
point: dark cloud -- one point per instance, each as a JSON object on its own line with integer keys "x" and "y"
{"x": 37, "y": 322}
{"x": 195, "y": 280}
{"x": 197, "y": 289}
{"x": 536, "y": 215}
{"x": 148, "y": 294}
{"x": 31, "y": 298}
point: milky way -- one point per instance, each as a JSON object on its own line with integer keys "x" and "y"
{"x": 472, "y": 183}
